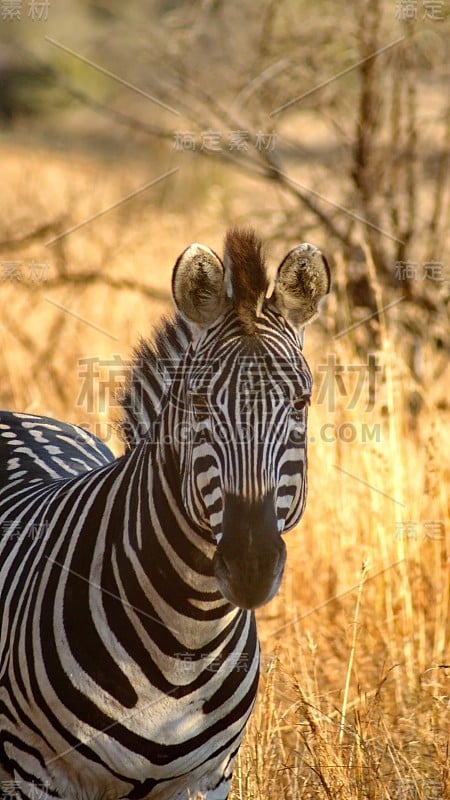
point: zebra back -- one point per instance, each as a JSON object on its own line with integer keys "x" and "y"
{"x": 40, "y": 449}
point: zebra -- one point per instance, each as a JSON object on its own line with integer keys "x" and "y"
{"x": 129, "y": 657}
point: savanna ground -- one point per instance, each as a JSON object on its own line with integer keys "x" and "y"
{"x": 354, "y": 698}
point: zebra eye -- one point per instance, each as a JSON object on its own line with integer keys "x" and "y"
{"x": 200, "y": 405}
{"x": 299, "y": 405}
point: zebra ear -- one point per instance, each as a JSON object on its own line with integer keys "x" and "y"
{"x": 198, "y": 285}
{"x": 303, "y": 279}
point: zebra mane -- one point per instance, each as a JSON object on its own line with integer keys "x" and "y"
{"x": 247, "y": 275}
{"x": 153, "y": 367}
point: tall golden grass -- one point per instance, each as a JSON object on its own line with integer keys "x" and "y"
{"x": 354, "y": 700}
{"x": 354, "y": 694}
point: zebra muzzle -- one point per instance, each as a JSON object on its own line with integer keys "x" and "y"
{"x": 250, "y": 558}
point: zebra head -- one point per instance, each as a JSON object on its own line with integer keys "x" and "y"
{"x": 242, "y": 405}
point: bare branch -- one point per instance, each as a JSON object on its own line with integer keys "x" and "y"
{"x": 86, "y": 279}
{"x": 41, "y": 232}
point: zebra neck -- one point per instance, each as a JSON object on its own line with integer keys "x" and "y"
{"x": 160, "y": 564}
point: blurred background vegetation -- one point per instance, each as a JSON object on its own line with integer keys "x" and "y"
{"x": 129, "y": 130}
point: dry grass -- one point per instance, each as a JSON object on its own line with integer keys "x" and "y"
{"x": 354, "y": 701}
{"x": 354, "y": 696}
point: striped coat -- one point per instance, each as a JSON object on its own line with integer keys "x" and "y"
{"x": 128, "y": 647}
